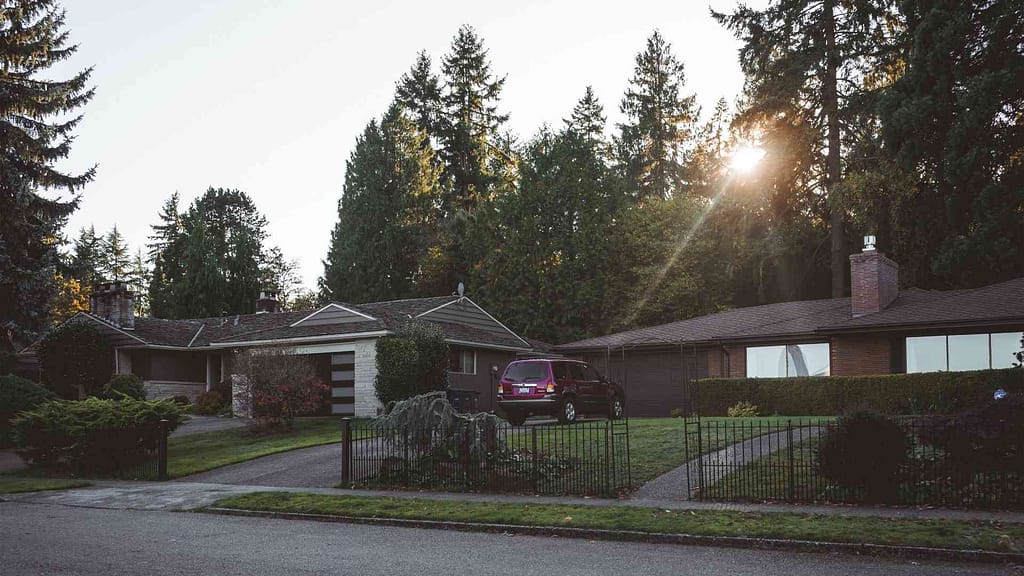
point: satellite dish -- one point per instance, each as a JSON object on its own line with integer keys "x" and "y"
{"x": 462, "y": 290}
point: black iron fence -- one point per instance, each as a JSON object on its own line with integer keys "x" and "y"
{"x": 758, "y": 459}
{"x": 147, "y": 461}
{"x": 584, "y": 458}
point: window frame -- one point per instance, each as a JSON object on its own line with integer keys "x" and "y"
{"x": 786, "y": 357}
{"x": 945, "y": 339}
{"x": 461, "y": 355}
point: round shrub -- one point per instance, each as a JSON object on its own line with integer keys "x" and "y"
{"x": 414, "y": 361}
{"x": 864, "y": 452}
{"x": 181, "y": 399}
{"x": 123, "y": 386}
{"x": 91, "y": 436}
{"x": 76, "y": 360}
{"x": 18, "y": 394}
{"x": 743, "y": 409}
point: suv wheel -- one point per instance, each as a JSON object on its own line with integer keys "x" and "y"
{"x": 567, "y": 414}
{"x": 616, "y": 409}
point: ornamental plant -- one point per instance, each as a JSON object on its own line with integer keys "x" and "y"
{"x": 16, "y": 395}
{"x": 282, "y": 385}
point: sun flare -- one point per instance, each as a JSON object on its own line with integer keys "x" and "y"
{"x": 746, "y": 158}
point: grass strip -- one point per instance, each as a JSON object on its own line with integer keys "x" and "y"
{"x": 15, "y": 484}
{"x": 935, "y": 533}
{"x": 194, "y": 453}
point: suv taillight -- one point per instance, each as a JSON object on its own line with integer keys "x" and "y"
{"x": 551, "y": 387}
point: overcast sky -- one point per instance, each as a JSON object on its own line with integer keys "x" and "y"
{"x": 268, "y": 97}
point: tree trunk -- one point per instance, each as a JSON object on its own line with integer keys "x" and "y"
{"x": 830, "y": 107}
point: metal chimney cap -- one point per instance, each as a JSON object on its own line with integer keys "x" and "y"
{"x": 869, "y": 243}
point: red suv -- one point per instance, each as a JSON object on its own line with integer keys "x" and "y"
{"x": 561, "y": 388}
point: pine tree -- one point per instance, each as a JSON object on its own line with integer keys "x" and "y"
{"x": 115, "y": 257}
{"x": 85, "y": 260}
{"x": 138, "y": 278}
{"x": 419, "y": 92}
{"x": 660, "y": 120}
{"x": 165, "y": 256}
{"x": 804, "y": 63}
{"x": 37, "y": 121}
{"x": 279, "y": 275}
{"x": 387, "y": 208}
{"x": 588, "y": 118}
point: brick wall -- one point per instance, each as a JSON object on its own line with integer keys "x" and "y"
{"x": 737, "y": 361}
{"x": 860, "y": 355}
{"x": 874, "y": 282}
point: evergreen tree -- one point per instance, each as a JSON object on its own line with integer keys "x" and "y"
{"x": 419, "y": 93}
{"x": 660, "y": 120}
{"x": 953, "y": 121}
{"x": 166, "y": 257}
{"x": 279, "y": 275}
{"x": 138, "y": 279}
{"x": 388, "y": 204}
{"x": 85, "y": 264}
{"x": 37, "y": 121}
{"x": 588, "y": 119}
{"x": 804, "y": 63}
{"x": 115, "y": 257}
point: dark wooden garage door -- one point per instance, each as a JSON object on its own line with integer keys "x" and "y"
{"x": 343, "y": 390}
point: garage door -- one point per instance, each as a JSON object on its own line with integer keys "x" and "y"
{"x": 343, "y": 383}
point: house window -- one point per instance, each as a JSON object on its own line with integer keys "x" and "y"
{"x": 960, "y": 352}
{"x": 463, "y": 362}
{"x": 789, "y": 360}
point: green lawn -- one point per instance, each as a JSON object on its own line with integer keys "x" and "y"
{"x": 994, "y": 536}
{"x": 14, "y": 484}
{"x": 658, "y": 445}
{"x": 771, "y": 477}
{"x": 200, "y": 452}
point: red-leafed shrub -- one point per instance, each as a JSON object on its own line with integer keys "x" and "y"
{"x": 282, "y": 386}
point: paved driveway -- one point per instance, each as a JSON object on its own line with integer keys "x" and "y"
{"x": 319, "y": 466}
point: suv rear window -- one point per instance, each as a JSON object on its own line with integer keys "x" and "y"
{"x": 527, "y": 372}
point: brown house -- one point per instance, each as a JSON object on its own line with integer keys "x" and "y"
{"x": 191, "y": 356}
{"x": 878, "y": 330}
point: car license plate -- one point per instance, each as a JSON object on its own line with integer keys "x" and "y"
{"x": 526, "y": 391}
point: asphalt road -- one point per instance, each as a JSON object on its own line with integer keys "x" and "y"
{"x": 60, "y": 540}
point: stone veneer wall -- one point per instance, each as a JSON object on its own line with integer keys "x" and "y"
{"x": 366, "y": 403}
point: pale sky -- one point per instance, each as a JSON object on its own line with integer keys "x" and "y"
{"x": 269, "y": 97}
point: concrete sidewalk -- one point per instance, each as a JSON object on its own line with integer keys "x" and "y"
{"x": 195, "y": 495}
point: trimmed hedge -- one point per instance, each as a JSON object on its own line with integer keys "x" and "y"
{"x": 925, "y": 393}
{"x": 91, "y": 436}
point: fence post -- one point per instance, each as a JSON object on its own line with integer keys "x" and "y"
{"x": 700, "y": 462}
{"x": 791, "y": 478}
{"x": 533, "y": 450}
{"x": 161, "y": 452}
{"x": 609, "y": 453}
{"x": 346, "y": 450}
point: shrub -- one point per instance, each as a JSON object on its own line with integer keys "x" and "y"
{"x": 181, "y": 400}
{"x": 282, "y": 385}
{"x": 926, "y": 393}
{"x": 91, "y": 436}
{"x": 743, "y": 409}
{"x": 988, "y": 439}
{"x": 123, "y": 386}
{"x": 208, "y": 403}
{"x": 413, "y": 362}
{"x": 18, "y": 394}
{"x": 864, "y": 452}
{"x": 76, "y": 360}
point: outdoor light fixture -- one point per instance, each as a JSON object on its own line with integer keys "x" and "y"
{"x": 869, "y": 243}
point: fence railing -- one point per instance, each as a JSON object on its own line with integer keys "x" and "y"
{"x": 584, "y": 458}
{"x": 760, "y": 459}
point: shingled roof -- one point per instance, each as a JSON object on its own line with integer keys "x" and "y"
{"x": 996, "y": 304}
{"x": 281, "y": 326}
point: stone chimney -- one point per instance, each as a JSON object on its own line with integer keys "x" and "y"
{"x": 114, "y": 302}
{"x": 267, "y": 304}
{"x": 874, "y": 280}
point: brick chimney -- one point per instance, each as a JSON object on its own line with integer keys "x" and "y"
{"x": 114, "y": 302}
{"x": 267, "y": 304}
{"x": 874, "y": 280}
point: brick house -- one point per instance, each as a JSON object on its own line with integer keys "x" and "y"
{"x": 191, "y": 356}
{"x": 878, "y": 330}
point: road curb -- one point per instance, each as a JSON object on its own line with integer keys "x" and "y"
{"x": 903, "y": 552}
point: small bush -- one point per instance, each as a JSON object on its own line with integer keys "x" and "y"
{"x": 123, "y": 386}
{"x": 76, "y": 360}
{"x": 91, "y": 436}
{"x": 181, "y": 400}
{"x": 208, "y": 403}
{"x": 743, "y": 409}
{"x": 925, "y": 393}
{"x": 18, "y": 394}
{"x": 864, "y": 452}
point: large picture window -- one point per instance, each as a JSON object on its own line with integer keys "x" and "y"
{"x": 789, "y": 360}
{"x": 961, "y": 352}
{"x": 462, "y": 362}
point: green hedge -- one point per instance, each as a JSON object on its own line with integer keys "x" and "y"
{"x": 927, "y": 393}
{"x": 18, "y": 394}
{"x": 91, "y": 436}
